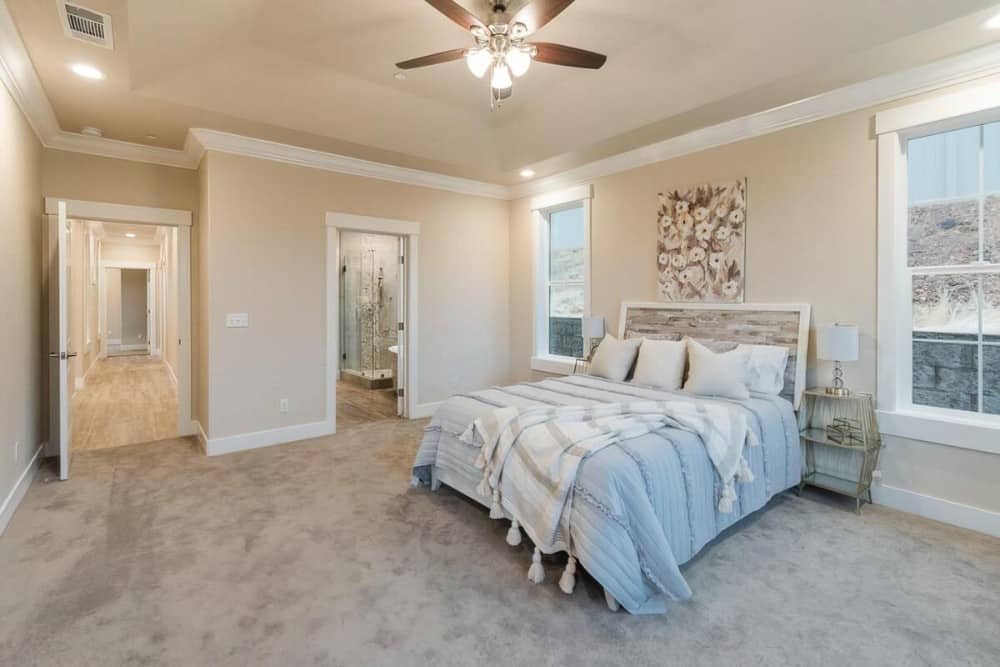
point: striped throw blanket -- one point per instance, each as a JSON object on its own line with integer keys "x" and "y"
{"x": 530, "y": 457}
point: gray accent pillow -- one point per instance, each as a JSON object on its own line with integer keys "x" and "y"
{"x": 614, "y": 358}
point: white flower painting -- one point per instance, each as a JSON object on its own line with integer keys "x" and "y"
{"x": 701, "y": 252}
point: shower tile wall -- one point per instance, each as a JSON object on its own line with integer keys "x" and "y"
{"x": 370, "y": 284}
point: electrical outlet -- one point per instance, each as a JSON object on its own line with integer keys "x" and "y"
{"x": 877, "y": 475}
{"x": 283, "y": 406}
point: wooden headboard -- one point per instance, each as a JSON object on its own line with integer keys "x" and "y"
{"x": 752, "y": 323}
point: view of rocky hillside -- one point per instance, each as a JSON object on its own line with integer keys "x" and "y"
{"x": 947, "y": 232}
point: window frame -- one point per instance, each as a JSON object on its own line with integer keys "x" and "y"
{"x": 898, "y": 415}
{"x": 541, "y": 208}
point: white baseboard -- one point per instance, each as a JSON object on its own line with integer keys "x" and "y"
{"x": 16, "y": 494}
{"x": 132, "y": 348}
{"x": 275, "y": 436}
{"x": 422, "y": 410}
{"x": 938, "y": 509}
{"x": 200, "y": 433}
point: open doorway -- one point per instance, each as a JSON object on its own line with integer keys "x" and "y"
{"x": 121, "y": 306}
{"x": 371, "y": 319}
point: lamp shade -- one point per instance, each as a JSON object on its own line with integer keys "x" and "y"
{"x": 593, "y": 327}
{"x": 837, "y": 342}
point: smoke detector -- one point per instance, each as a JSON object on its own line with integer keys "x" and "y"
{"x": 86, "y": 25}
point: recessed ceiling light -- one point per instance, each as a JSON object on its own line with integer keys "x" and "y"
{"x": 399, "y": 76}
{"x": 527, "y": 173}
{"x": 86, "y": 71}
{"x": 131, "y": 235}
{"x": 994, "y": 22}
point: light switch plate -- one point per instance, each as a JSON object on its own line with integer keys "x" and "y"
{"x": 237, "y": 320}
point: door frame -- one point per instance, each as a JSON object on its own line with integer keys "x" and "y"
{"x": 153, "y": 315}
{"x": 410, "y": 233}
{"x": 167, "y": 217}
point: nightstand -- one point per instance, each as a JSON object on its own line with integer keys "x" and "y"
{"x": 849, "y": 426}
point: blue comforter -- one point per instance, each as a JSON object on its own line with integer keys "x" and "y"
{"x": 642, "y": 507}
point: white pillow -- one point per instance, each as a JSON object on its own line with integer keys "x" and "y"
{"x": 766, "y": 370}
{"x": 614, "y": 358}
{"x": 711, "y": 374}
{"x": 661, "y": 363}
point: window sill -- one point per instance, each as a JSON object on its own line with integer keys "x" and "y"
{"x": 550, "y": 363}
{"x": 979, "y": 434}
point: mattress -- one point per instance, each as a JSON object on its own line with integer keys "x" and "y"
{"x": 642, "y": 507}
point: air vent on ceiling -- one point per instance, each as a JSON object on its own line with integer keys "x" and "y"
{"x": 86, "y": 25}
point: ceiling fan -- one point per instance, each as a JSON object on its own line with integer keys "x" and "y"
{"x": 501, "y": 47}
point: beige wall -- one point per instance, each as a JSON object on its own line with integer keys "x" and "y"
{"x": 811, "y": 238}
{"x": 134, "y": 306}
{"x": 200, "y": 302}
{"x": 21, "y": 350}
{"x": 170, "y": 313}
{"x": 127, "y": 252}
{"x": 266, "y": 255}
{"x": 93, "y": 178}
{"x": 113, "y": 304}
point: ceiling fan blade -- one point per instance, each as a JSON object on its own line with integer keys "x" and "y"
{"x": 568, "y": 56}
{"x": 456, "y": 13}
{"x": 433, "y": 59}
{"x": 537, "y": 13}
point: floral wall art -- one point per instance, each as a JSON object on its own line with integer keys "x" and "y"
{"x": 701, "y": 251}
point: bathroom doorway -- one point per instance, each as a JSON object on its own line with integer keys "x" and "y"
{"x": 372, "y": 317}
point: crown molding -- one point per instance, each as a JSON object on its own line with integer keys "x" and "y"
{"x": 962, "y": 68}
{"x": 224, "y": 142}
{"x": 18, "y": 74}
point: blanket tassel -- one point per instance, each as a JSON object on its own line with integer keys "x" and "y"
{"x": 610, "y": 600}
{"x": 514, "y": 533}
{"x": 536, "y": 573}
{"x": 745, "y": 474}
{"x": 567, "y": 582}
{"x": 483, "y": 488}
{"x": 414, "y": 482}
{"x": 496, "y": 512}
{"x": 726, "y": 501}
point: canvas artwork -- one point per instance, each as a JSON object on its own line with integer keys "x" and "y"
{"x": 701, "y": 250}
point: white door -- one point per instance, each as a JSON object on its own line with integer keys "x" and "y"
{"x": 401, "y": 333}
{"x": 59, "y": 339}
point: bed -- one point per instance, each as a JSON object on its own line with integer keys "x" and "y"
{"x": 645, "y": 506}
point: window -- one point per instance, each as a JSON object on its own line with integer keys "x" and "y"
{"x": 953, "y": 242}
{"x": 939, "y": 269}
{"x": 561, "y": 274}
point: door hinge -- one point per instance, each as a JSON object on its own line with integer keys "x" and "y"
{"x": 344, "y": 356}
{"x": 343, "y": 269}
{"x": 402, "y": 326}
{"x": 400, "y": 392}
{"x": 402, "y": 259}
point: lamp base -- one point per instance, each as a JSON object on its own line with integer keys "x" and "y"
{"x": 838, "y": 391}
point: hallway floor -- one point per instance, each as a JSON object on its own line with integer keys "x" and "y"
{"x": 357, "y": 405}
{"x": 126, "y": 400}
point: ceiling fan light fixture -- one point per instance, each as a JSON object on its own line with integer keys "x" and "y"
{"x": 519, "y": 60}
{"x": 500, "y": 79}
{"x": 479, "y": 61}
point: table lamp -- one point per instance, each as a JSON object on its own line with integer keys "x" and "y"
{"x": 593, "y": 329}
{"x": 837, "y": 343}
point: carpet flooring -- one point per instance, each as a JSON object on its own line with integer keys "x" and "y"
{"x": 318, "y": 553}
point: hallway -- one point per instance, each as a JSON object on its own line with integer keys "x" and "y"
{"x": 126, "y": 400}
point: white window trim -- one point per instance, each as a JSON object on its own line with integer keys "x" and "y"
{"x": 540, "y": 207}
{"x": 897, "y": 414}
